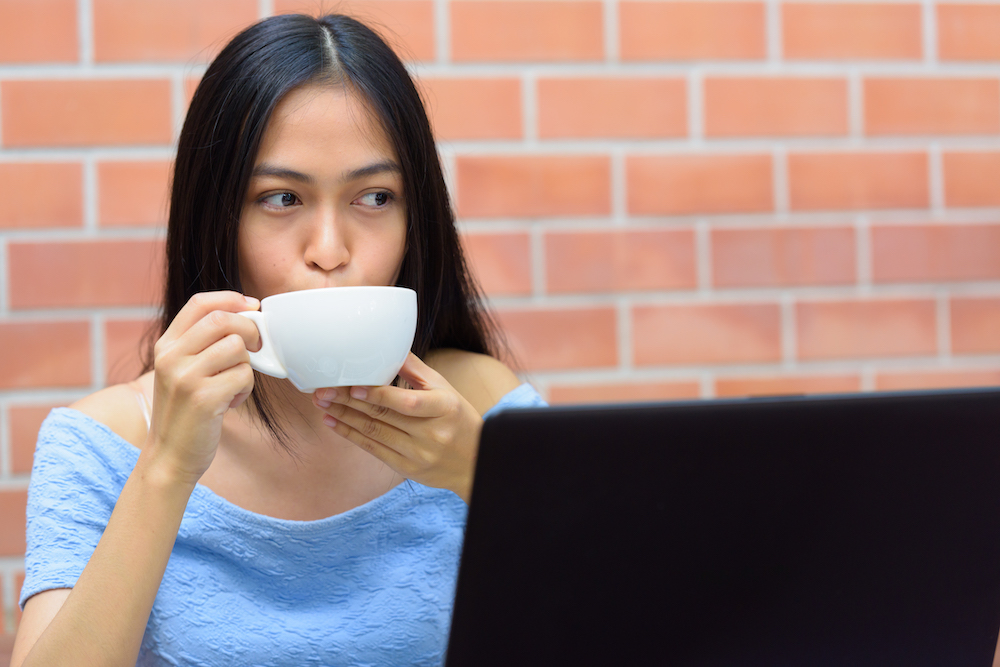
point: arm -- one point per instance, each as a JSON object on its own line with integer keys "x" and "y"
{"x": 201, "y": 370}
{"x": 430, "y": 433}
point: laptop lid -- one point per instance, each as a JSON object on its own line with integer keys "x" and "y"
{"x": 849, "y": 530}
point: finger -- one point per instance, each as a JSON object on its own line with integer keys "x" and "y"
{"x": 394, "y": 405}
{"x": 214, "y": 326}
{"x": 376, "y": 429}
{"x": 379, "y": 450}
{"x": 203, "y": 303}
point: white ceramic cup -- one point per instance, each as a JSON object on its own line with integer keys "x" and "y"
{"x": 335, "y": 336}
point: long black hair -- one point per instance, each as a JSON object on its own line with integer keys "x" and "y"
{"x": 218, "y": 146}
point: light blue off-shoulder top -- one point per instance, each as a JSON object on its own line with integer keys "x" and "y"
{"x": 371, "y": 586}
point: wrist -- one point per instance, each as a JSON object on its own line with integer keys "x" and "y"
{"x": 158, "y": 470}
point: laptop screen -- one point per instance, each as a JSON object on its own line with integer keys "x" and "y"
{"x": 851, "y": 530}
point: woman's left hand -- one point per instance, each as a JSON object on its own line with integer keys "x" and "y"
{"x": 429, "y": 434}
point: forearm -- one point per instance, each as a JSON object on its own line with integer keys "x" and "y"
{"x": 103, "y": 620}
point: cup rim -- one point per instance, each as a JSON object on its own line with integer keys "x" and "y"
{"x": 341, "y": 290}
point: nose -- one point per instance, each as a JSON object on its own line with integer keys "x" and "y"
{"x": 327, "y": 243}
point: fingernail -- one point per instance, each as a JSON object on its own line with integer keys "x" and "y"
{"x": 359, "y": 393}
{"x": 251, "y": 301}
{"x": 329, "y": 421}
{"x": 323, "y": 404}
{"x": 327, "y": 394}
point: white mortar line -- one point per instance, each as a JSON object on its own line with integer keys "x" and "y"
{"x": 789, "y": 337}
{"x": 695, "y": 106}
{"x": 442, "y": 32}
{"x": 624, "y": 331}
{"x": 868, "y": 377}
{"x": 97, "y": 352}
{"x": 779, "y": 174}
{"x": 935, "y": 177}
{"x": 611, "y": 32}
{"x": 863, "y": 254}
{"x": 619, "y": 184}
{"x": 90, "y": 196}
{"x": 774, "y": 36}
{"x": 265, "y": 8}
{"x": 536, "y": 238}
{"x": 929, "y": 32}
{"x": 5, "y": 455}
{"x": 943, "y": 313}
{"x": 4, "y": 281}
{"x": 85, "y": 32}
{"x": 855, "y": 105}
{"x": 178, "y": 105}
{"x": 529, "y": 109}
{"x": 703, "y": 256}
{"x": 706, "y": 384}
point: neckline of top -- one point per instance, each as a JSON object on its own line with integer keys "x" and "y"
{"x": 394, "y": 495}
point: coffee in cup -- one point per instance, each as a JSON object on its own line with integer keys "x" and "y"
{"x": 335, "y": 336}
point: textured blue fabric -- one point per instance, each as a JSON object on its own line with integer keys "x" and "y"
{"x": 371, "y": 586}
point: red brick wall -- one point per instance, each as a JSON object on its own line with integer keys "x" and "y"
{"x": 662, "y": 199}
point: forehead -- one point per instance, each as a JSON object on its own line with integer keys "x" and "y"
{"x": 324, "y": 123}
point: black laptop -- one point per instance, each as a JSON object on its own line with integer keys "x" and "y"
{"x": 844, "y": 530}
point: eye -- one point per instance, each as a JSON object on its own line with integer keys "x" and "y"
{"x": 375, "y": 199}
{"x": 280, "y": 200}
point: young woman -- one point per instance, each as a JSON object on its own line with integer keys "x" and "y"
{"x": 172, "y": 520}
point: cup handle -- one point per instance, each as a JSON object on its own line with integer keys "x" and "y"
{"x": 264, "y": 360}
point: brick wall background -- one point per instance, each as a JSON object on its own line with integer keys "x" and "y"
{"x": 662, "y": 199}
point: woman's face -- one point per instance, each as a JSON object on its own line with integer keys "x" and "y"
{"x": 325, "y": 204}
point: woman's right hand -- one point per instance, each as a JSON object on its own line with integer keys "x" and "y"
{"x": 201, "y": 370}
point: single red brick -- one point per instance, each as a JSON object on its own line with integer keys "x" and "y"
{"x": 598, "y": 261}
{"x": 526, "y": 30}
{"x": 91, "y": 273}
{"x": 692, "y": 30}
{"x": 970, "y": 179}
{"x": 773, "y": 257}
{"x": 883, "y": 328}
{"x": 975, "y": 325}
{"x": 406, "y": 25}
{"x": 787, "y": 385}
{"x": 44, "y": 354}
{"x": 612, "y": 107}
{"x": 706, "y": 334}
{"x": 167, "y": 30}
{"x": 831, "y": 181}
{"x": 474, "y": 108}
{"x": 39, "y": 31}
{"x": 625, "y": 392}
{"x": 840, "y": 30}
{"x": 968, "y": 31}
{"x": 687, "y": 184}
{"x": 530, "y": 186}
{"x": 935, "y": 253}
{"x": 85, "y": 113}
{"x": 25, "y": 420}
{"x": 587, "y": 338}
{"x": 124, "y": 349}
{"x": 500, "y": 262}
{"x": 932, "y": 106}
{"x": 775, "y": 107}
{"x": 36, "y": 194}
{"x": 12, "y": 522}
{"x": 907, "y": 380}
{"x": 133, "y": 193}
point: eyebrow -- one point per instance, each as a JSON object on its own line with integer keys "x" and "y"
{"x": 267, "y": 169}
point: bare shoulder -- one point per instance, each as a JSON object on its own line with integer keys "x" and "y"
{"x": 120, "y": 408}
{"x": 480, "y": 378}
